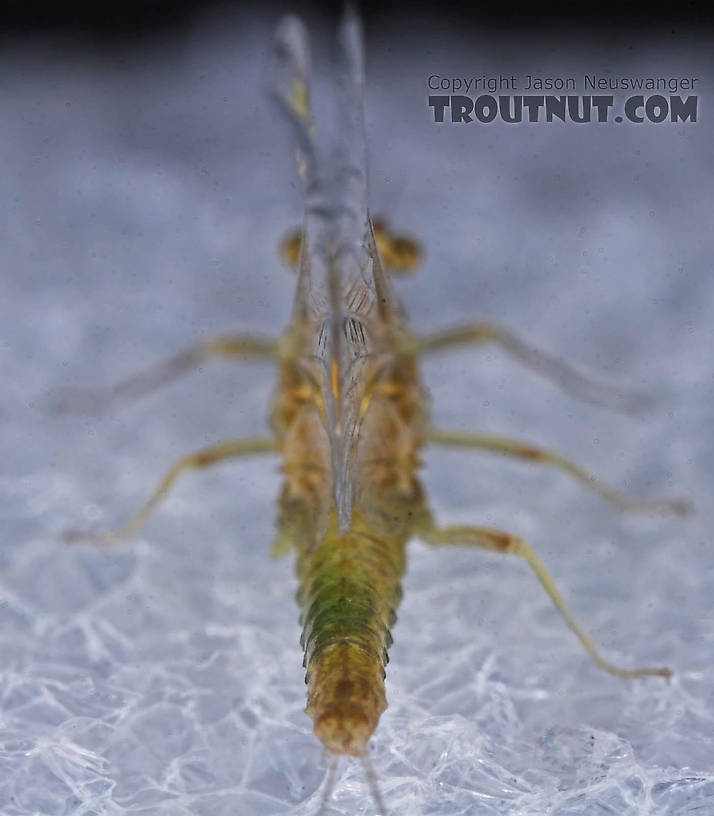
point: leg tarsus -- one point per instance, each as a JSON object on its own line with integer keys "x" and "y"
{"x": 486, "y": 538}
{"x": 81, "y": 400}
{"x": 523, "y": 450}
{"x": 552, "y": 368}
{"x": 199, "y": 459}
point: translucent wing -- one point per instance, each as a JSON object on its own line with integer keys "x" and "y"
{"x": 343, "y": 304}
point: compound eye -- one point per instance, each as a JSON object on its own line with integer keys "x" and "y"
{"x": 289, "y": 249}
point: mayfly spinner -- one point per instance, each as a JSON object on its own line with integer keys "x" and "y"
{"x": 350, "y": 418}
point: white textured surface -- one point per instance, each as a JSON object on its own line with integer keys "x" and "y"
{"x": 142, "y": 198}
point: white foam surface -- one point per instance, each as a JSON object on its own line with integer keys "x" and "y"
{"x": 143, "y": 196}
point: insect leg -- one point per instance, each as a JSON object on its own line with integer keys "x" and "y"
{"x": 485, "y": 538}
{"x": 64, "y": 400}
{"x": 523, "y": 450}
{"x": 553, "y": 369}
{"x": 199, "y": 459}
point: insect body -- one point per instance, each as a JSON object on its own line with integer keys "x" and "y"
{"x": 349, "y": 418}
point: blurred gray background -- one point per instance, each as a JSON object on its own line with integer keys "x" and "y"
{"x": 144, "y": 192}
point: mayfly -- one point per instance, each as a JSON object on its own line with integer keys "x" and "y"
{"x": 350, "y": 418}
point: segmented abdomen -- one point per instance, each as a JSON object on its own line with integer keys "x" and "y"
{"x": 349, "y": 591}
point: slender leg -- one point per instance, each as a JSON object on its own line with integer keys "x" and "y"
{"x": 199, "y": 459}
{"x": 485, "y": 538}
{"x": 63, "y": 400}
{"x": 558, "y": 372}
{"x": 523, "y": 450}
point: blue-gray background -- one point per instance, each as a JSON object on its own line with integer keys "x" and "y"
{"x": 143, "y": 193}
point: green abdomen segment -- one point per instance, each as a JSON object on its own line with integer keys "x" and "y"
{"x": 349, "y": 591}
